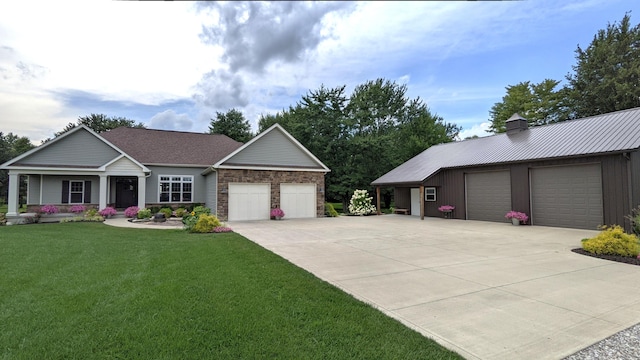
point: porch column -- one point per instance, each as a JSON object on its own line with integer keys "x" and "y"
{"x": 421, "y": 202}
{"x": 142, "y": 190}
{"x": 378, "y": 199}
{"x": 14, "y": 196}
{"x": 103, "y": 192}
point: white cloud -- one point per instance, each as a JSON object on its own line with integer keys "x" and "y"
{"x": 479, "y": 130}
{"x": 169, "y": 120}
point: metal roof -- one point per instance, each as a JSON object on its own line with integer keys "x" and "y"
{"x": 612, "y": 132}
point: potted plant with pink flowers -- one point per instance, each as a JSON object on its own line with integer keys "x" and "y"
{"x": 517, "y": 217}
{"x": 277, "y": 214}
{"x": 446, "y": 210}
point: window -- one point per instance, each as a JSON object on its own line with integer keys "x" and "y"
{"x": 76, "y": 192}
{"x": 430, "y": 194}
{"x": 175, "y": 188}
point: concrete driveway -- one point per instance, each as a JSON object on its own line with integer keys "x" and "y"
{"x": 485, "y": 290}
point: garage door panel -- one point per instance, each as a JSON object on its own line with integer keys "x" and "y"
{"x": 249, "y": 201}
{"x": 298, "y": 200}
{"x": 567, "y": 196}
{"x": 488, "y": 195}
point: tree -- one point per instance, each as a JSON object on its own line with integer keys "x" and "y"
{"x": 11, "y": 146}
{"x": 606, "y": 77}
{"x": 100, "y": 123}
{"x": 363, "y": 136}
{"x": 232, "y": 124}
{"x": 539, "y": 103}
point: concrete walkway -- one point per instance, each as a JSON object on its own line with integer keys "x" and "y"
{"x": 485, "y": 290}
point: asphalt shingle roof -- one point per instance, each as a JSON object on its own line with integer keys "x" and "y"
{"x": 613, "y": 132}
{"x": 149, "y": 146}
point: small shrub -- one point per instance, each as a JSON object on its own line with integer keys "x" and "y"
{"x": 144, "y": 213}
{"x": 131, "y": 211}
{"x": 360, "y": 203}
{"x": 181, "y": 212}
{"x": 77, "y": 209}
{"x": 329, "y": 210}
{"x": 3, "y": 219}
{"x": 91, "y": 213}
{"x": 167, "y": 212}
{"x": 613, "y": 241}
{"x": 206, "y": 223}
{"x": 191, "y": 219}
{"x": 154, "y": 209}
{"x": 635, "y": 220}
{"x": 222, "y": 229}
{"x": 49, "y": 209}
{"x": 108, "y": 211}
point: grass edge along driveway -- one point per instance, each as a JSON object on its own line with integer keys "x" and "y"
{"x": 86, "y": 290}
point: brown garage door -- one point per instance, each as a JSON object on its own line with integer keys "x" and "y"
{"x": 488, "y": 195}
{"x": 567, "y": 196}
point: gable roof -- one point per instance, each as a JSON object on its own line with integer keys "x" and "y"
{"x": 607, "y": 133}
{"x": 273, "y": 149}
{"x": 165, "y": 147}
{"x": 22, "y": 161}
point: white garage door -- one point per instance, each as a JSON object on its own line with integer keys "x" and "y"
{"x": 298, "y": 200}
{"x": 567, "y": 196}
{"x": 488, "y": 195}
{"x": 249, "y": 201}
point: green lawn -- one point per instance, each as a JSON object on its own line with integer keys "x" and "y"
{"x": 90, "y": 291}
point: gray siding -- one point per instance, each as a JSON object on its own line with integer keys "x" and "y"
{"x": 52, "y": 187}
{"x": 211, "y": 181}
{"x": 34, "y": 189}
{"x": 199, "y": 182}
{"x": 273, "y": 149}
{"x": 78, "y": 149}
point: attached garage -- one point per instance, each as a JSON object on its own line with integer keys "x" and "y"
{"x": 298, "y": 200}
{"x": 249, "y": 201}
{"x": 488, "y": 195}
{"x": 567, "y": 196}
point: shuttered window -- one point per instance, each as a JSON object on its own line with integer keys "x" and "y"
{"x": 76, "y": 192}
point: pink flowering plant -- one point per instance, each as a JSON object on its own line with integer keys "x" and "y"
{"x": 108, "y": 211}
{"x": 446, "y": 208}
{"x": 522, "y": 217}
{"x": 77, "y": 209}
{"x": 131, "y": 211}
{"x": 49, "y": 209}
{"x": 277, "y": 212}
{"x": 222, "y": 229}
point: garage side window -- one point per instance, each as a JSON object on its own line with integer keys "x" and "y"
{"x": 430, "y": 194}
{"x": 175, "y": 188}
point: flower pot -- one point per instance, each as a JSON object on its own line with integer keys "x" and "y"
{"x": 515, "y": 221}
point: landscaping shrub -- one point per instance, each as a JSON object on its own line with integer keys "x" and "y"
{"x": 635, "y": 220}
{"x": 167, "y": 212}
{"x": 206, "y": 223}
{"x": 77, "y": 209}
{"x": 329, "y": 210}
{"x": 613, "y": 241}
{"x": 360, "y": 203}
{"x": 108, "y": 211}
{"x": 191, "y": 219}
{"x": 154, "y": 209}
{"x": 131, "y": 211}
{"x": 181, "y": 212}
{"x": 49, "y": 209}
{"x": 3, "y": 219}
{"x": 144, "y": 213}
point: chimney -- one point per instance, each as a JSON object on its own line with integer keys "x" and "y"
{"x": 515, "y": 124}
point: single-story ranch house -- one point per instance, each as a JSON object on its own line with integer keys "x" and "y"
{"x": 144, "y": 167}
{"x": 579, "y": 173}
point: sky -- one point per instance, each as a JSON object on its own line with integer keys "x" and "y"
{"x": 173, "y": 65}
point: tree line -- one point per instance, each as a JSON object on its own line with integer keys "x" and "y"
{"x": 605, "y": 78}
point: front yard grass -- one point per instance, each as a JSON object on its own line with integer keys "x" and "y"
{"x": 87, "y": 290}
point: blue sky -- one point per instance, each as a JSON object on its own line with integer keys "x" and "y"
{"x": 172, "y": 65}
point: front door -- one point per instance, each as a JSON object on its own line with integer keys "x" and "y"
{"x": 126, "y": 192}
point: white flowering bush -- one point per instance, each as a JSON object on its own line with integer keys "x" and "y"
{"x": 360, "y": 203}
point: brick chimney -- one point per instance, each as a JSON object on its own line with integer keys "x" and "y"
{"x": 516, "y": 123}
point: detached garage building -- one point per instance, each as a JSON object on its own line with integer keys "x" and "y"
{"x": 579, "y": 173}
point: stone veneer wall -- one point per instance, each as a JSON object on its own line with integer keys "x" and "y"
{"x": 275, "y": 178}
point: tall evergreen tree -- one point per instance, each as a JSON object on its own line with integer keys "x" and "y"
{"x": 232, "y": 124}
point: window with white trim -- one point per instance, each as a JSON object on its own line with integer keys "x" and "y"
{"x": 76, "y": 192}
{"x": 175, "y": 188}
{"x": 430, "y": 194}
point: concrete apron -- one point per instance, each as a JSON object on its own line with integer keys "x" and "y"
{"x": 485, "y": 290}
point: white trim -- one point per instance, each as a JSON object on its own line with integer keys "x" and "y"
{"x": 434, "y": 193}
{"x": 259, "y": 136}
{"x": 269, "y": 168}
{"x": 75, "y": 192}
{"x": 41, "y": 187}
{"x": 123, "y": 155}
{"x": 192, "y": 182}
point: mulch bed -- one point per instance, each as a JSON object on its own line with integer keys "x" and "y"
{"x": 622, "y": 259}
